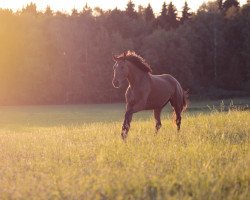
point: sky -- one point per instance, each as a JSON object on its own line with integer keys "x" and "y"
{"x": 68, "y": 5}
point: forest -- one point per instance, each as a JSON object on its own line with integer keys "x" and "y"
{"x": 51, "y": 57}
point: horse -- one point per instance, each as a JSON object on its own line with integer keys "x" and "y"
{"x": 146, "y": 91}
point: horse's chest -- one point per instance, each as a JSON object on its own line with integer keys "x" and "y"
{"x": 135, "y": 95}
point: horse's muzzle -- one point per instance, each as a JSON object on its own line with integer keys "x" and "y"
{"x": 116, "y": 83}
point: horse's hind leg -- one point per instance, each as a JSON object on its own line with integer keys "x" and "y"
{"x": 157, "y": 115}
{"x": 178, "y": 120}
{"x": 178, "y": 111}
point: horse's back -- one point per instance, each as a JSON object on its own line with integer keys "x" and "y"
{"x": 163, "y": 88}
{"x": 165, "y": 80}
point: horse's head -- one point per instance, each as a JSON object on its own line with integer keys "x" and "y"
{"x": 121, "y": 71}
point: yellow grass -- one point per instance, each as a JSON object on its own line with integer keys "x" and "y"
{"x": 208, "y": 159}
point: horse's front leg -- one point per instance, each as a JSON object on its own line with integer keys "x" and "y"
{"x": 126, "y": 124}
{"x": 130, "y": 110}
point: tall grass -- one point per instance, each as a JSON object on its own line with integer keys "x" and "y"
{"x": 208, "y": 159}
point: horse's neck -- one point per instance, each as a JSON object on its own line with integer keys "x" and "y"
{"x": 136, "y": 77}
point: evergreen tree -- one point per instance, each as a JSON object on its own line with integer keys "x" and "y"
{"x": 87, "y": 11}
{"x": 185, "y": 13}
{"x": 172, "y": 16}
{"x": 163, "y": 18}
{"x": 130, "y": 10}
{"x": 229, "y": 3}
{"x": 220, "y": 4}
{"x": 140, "y": 10}
{"x": 149, "y": 14}
{"x": 48, "y": 11}
{"x": 30, "y": 9}
{"x": 164, "y": 10}
{"x": 74, "y": 12}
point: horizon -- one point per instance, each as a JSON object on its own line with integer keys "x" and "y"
{"x": 67, "y": 6}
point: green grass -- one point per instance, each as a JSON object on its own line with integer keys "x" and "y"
{"x": 75, "y": 152}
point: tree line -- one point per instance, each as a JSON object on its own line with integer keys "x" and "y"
{"x": 57, "y": 58}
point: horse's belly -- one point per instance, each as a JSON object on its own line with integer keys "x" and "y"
{"x": 161, "y": 91}
{"x": 157, "y": 100}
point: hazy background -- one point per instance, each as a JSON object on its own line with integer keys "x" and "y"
{"x": 54, "y": 57}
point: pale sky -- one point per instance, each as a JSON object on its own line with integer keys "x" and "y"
{"x": 68, "y": 5}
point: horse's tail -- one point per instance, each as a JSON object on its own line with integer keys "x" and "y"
{"x": 185, "y": 99}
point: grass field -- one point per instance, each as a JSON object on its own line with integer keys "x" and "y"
{"x": 76, "y": 152}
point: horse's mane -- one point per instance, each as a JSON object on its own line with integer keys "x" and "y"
{"x": 137, "y": 60}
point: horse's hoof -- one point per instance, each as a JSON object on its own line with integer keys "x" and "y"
{"x": 124, "y": 134}
{"x": 157, "y": 128}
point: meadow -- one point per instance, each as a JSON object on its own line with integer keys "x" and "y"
{"x": 76, "y": 152}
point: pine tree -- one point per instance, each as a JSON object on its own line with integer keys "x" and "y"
{"x": 220, "y": 4}
{"x": 48, "y": 11}
{"x": 140, "y": 10}
{"x": 164, "y": 10}
{"x": 163, "y": 18}
{"x": 149, "y": 14}
{"x": 87, "y": 11}
{"x": 229, "y": 3}
{"x": 172, "y": 16}
{"x": 30, "y": 9}
{"x": 130, "y": 10}
{"x": 185, "y": 13}
{"x": 74, "y": 12}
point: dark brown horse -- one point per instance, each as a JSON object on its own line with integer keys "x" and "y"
{"x": 146, "y": 91}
